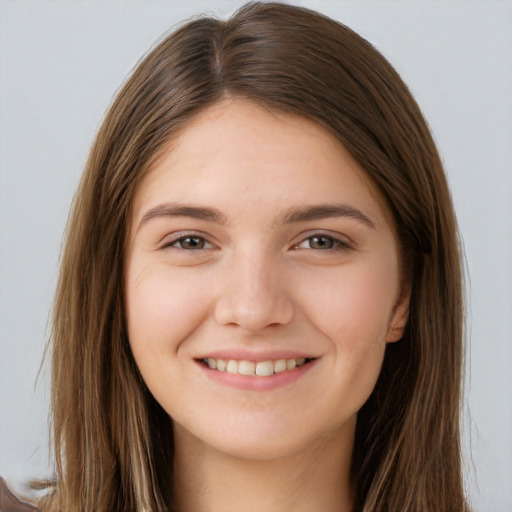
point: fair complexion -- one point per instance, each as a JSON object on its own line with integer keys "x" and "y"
{"x": 257, "y": 244}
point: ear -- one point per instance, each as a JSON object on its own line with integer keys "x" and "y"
{"x": 399, "y": 318}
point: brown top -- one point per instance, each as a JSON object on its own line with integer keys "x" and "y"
{"x": 10, "y": 503}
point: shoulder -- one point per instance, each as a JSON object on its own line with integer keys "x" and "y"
{"x": 10, "y": 503}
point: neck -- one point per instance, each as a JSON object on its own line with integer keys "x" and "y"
{"x": 316, "y": 478}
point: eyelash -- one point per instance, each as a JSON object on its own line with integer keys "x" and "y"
{"x": 173, "y": 244}
{"x": 337, "y": 244}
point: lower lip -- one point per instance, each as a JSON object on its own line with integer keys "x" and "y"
{"x": 255, "y": 383}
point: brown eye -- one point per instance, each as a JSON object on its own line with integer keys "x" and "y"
{"x": 191, "y": 242}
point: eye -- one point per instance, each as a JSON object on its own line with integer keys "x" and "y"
{"x": 189, "y": 243}
{"x": 322, "y": 242}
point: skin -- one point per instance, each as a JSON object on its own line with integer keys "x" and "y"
{"x": 253, "y": 281}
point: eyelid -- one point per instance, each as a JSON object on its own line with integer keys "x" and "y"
{"x": 341, "y": 242}
{"x": 169, "y": 241}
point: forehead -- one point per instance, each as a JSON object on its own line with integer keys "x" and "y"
{"x": 237, "y": 149}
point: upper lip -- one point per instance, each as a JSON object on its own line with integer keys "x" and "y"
{"x": 256, "y": 355}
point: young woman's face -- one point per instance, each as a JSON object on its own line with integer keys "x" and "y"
{"x": 262, "y": 283}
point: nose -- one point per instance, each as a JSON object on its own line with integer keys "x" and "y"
{"x": 253, "y": 294}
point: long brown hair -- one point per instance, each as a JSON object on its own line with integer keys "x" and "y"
{"x": 113, "y": 443}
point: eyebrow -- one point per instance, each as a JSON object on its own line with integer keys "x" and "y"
{"x": 291, "y": 216}
{"x": 323, "y": 211}
{"x": 184, "y": 210}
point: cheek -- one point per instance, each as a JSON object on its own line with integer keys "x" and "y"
{"x": 353, "y": 313}
{"x": 162, "y": 308}
{"x": 353, "y": 306}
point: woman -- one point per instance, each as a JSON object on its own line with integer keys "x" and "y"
{"x": 259, "y": 304}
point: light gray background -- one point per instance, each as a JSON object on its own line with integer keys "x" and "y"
{"x": 61, "y": 62}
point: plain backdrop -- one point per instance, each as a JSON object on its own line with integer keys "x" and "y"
{"x": 62, "y": 61}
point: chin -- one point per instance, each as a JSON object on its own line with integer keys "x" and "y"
{"x": 266, "y": 440}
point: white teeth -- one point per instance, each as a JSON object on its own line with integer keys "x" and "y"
{"x": 232, "y": 366}
{"x": 264, "y": 368}
{"x": 280, "y": 366}
{"x": 246, "y": 368}
{"x": 249, "y": 368}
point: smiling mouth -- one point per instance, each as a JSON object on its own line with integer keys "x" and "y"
{"x": 255, "y": 369}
